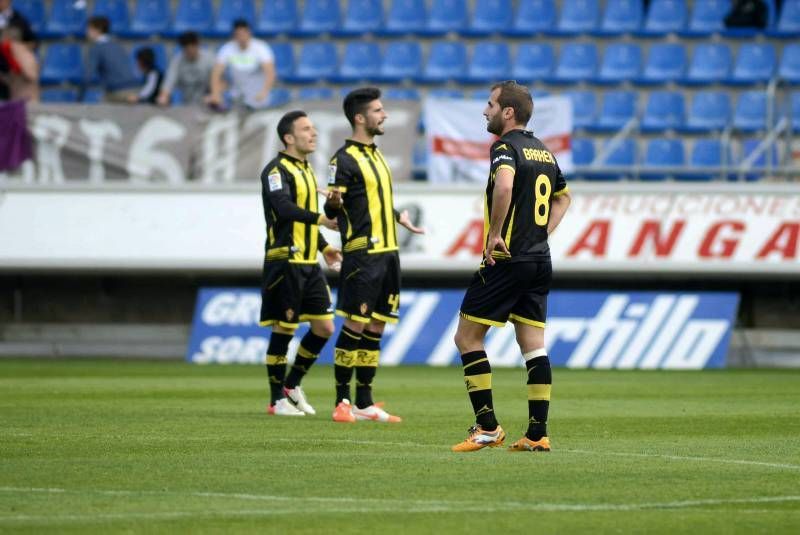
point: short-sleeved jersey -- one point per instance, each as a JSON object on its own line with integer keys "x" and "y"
{"x": 537, "y": 179}
{"x": 367, "y": 220}
{"x": 287, "y": 179}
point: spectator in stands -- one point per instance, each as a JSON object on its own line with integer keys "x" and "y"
{"x": 19, "y": 68}
{"x": 251, "y": 69}
{"x": 146, "y": 60}
{"x": 9, "y": 17}
{"x": 108, "y": 61}
{"x": 189, "y": 72}
{"x": 747, "y": 14}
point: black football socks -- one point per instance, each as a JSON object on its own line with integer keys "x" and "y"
{"x": 478, "y": 379}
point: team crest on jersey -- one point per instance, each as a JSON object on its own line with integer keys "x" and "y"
{"x": 332, "y": 173}
{"x": 289, "y": 314}
{"x": 275, "y": 182}
{"x": 364, "y": 308}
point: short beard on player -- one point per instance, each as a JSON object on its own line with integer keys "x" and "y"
{"x": 495, "y": 125}
{"x": 374, "y": 130}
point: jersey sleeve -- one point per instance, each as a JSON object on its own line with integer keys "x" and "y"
{"x": 275, "y": 183}
{"x": 341, "y": 172}
{"x": 502, "y": 155}
{"x": 560, "y": 186}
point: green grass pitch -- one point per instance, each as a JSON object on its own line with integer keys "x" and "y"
{"x": 109, "y": 446}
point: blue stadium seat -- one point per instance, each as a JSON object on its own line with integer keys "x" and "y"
{"x": 617, "y": 109}
{"x": 707, "y": 18}
{"x": 150, "y": 17}
{"x": 665, "y": 16}
{"x": 405, "y": 17}
{"x": 402, "y": 60}
{"x": 446, "y": 16}
{"x": 490, "y": 17}
{"x": 284, "y": 59}
{"x": 664, "y": 110}
{"x": 94, "y": 95}
{"x": 66, "y": 18}
{"x": 578, "y": 16}
{"x": 315, "y": 93}
{"x": 160, "y": 52}
{"x": 402, "y": 93}
{"x": 761, "y": 161}
{"x": 621, "y": 62}
{"x": 533, "y": 62}
{"x": 446, "y": 60}
{"x": 624, "y": 155}
{"x": 231, "y": 10}
{"x": 360, "y": 17}
{"x": 193, "y": 15}
{"x": 582, "y": 151}
{"x": 584, "y": 108}
{"x": 319, "y": 16}
{"x": 62, "y": 63}
{"x": 277, "y": 17}
{"x": 705, "y": 159}
{"x": 794, "y": 110}
{"x": 116, "y": 11}
{"x": 446, "y": 92}
{"x": 361, "y": 61}
{"x": 491, "y": 62}
{"x": 621, "y": 16}
{"x": 480, "y": 94}
{"x": 577, "y": 62}
{"x": 318, "y": 61}
{"x": 789, "y": 69}
{"x": 750, "y": 114}
{"x": 710, "y": 111}
{"x": 662, "y": 157}
{"x": 755, "y": 63}
{"x": 666, "y": 62}
{"x": 788, "y": 22}
{"x": 532, "y": 17}
{"x": 279, "y": 96}
{"x": 58, "y": 95}
{"x": 33, "y": 10}
{"x": 711, "y": 63}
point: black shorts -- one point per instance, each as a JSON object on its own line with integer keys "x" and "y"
{"x": 509, "y": 291}
{"x": 369, "y": 287}
{"x": 291, "y": 293}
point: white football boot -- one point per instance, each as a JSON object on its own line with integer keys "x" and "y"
{"x": 298, "y": 397}
{"x": 283, "y": 407}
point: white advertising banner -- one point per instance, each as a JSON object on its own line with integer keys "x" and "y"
{"x": 458, "y": 143}
{"x": 713, "y": 229}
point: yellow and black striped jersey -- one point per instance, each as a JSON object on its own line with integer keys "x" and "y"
{"x": 289, "y": 194}
{"x": 537, "y": 179}
{"x": 367, "y": 220}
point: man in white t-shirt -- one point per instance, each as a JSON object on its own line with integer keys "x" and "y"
{"x": 251, "y": 69}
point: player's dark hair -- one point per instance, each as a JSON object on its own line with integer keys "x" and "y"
{"x": 518, "y": 97}
{"x": 240, "y": 23}
{"x": 146, "y": 58}
{"x": 188, "y": 38}
{"x": 286, "y": 124}
{"x": 357, "y": 100}
{"x": 100, "y": 23}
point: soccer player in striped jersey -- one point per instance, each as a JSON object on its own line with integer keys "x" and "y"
{"x": 360, "y": 196}
{"x": 293, "y": 288}
{"x": 526, "y": 198}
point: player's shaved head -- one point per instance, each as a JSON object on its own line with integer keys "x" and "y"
{"x": 515, "y": 96}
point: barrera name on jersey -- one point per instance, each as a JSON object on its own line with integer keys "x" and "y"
{"x": 289, "y": 194}
{"x": 367, "y": 220}
{"x": 537, "y": 179}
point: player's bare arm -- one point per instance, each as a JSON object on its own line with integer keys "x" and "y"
{"x": 405, "y": 219}
{"x": 501, "y": 200}
{"x": 558, "y": 208}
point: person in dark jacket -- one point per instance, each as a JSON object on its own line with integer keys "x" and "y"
{"x": 108, "y": 63}
{"x": 146, "y": 60}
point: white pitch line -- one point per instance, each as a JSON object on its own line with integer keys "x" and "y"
{"x": 385, "y": 506}
{"x": 784, "y": 466}
{"x": 688, "y": 458}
